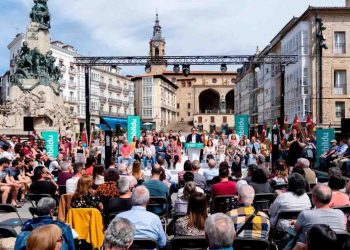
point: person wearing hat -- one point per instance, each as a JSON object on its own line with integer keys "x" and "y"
{"x": 194, "y": 137}
{"x": 326, "y": 157}
{"x": 6, "y": 185}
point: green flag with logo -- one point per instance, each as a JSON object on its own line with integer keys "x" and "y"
{"x": 323, "y": 140}
{"x": 133, "y": 127}
{"x": 242, "y": 125}
{"x": 51, "y": 143}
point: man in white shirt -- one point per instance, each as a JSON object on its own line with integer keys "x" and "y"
{"x": 123, "y": 171}
{"x": 194, "y": 137}
{"x": 71, "y": 184}
{"x": 6, "y": 152}
{"x": 149, "y": 153}
{"x": 55, "y": 164}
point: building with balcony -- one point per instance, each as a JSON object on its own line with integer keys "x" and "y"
{"x": 302, "y": 95}
{"x": 155, "y": 100}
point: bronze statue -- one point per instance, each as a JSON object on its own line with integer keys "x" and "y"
{"x": 40, "y": 13}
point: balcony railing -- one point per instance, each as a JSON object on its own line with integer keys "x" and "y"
{"x": 216, "y": 111}
{"x": 72, "y": 71}
{"x": 115, "y": 101}
{"x": 114, "y": 88}
{"x": 103, "y": 99}
{"x": 113, "y": 114}
{"x": 72, "y": 85}
{"x": 70, "y": 99}
{"x": 102, "y": 85}
{"x": 94, "y": 112}
{"x": 340, "y": 91}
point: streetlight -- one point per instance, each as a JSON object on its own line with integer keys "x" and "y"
{"x": 176, "y": 69}
{"x": 186, "y": 69}
{"x": 223, "y": 68}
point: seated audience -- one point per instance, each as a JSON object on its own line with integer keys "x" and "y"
{"x": 250, "y": 171}
{"x": 187, "y": 168}
{"x": 123, "y": 201}
{"x": 301, "y": 171}
{"x": 260, "y": 182}
{"x": 89, "y": 165}
{"x": 310, "y": 175}
{"x": 334, "y": 218}
{"x": 119, "y": 234}
{"x": 236, "y": 168}
{"x": 123, "y": 171}
{"x": 98, "y": 175}
{"x": 45, "y": 237}
{"x": 337, "y": 182}
{"x": 219, "y": 231}
{"x": 193, "y": 222}
{"x": 172, "y": 153}
{"x": 199, "y": 179}
{"x": 319, "y": 237}
{"x": 188, "y": 176}
{"x": 6, "y": 185}
{"x": 181, "y": 203}
{"x": 136, "y": 170}
{"x": 147, "y": 224}
{"x": 125, "y": 151}
{"x": 71, "y": 184}
{"x": 212, "y": 171}
{"x": 109, "y": 187}
{"x": 66, "y": 167}
{"x": 294, "y": 199}
{"x": 259, "y": 227}
{"x": 43, "y": 183}
{"x": 84, "y": 195}
{"x": 45, "y": 210}
{"x": 225, "y": 186}
{"x": 155, "y": 186}
{"x": 281, "y": 173}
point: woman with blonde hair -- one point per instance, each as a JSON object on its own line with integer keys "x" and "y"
{"x": 84, "y": 196}
{"x": 136, "y": 170}
{"x": 48, "y": 237}
{"x": 181, "y": 204}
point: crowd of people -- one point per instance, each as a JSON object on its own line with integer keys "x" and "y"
{"x": 240, "y": 168}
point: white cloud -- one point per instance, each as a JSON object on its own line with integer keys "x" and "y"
{"x": 191, "y": 27}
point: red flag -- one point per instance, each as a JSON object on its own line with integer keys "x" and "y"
{"x": 309, "y": 125}
{"x": 275, "y": 124}
{"x": 83, "y": 136}
{"x": 263, "y": 132}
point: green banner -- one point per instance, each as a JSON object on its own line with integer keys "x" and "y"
{"x": 323, "y": 140}
{"x": 133, "y": 127}
{"x": 194, "y": 145}
{"x": 242, "y": 125}
{"x": 51, "y": 143}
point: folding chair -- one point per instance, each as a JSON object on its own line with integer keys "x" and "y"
{"x": 342, "y": 237}
{"x": 35, "y": 198}
{"x": 262, "y": 202}
{"x": 144, "y": 244}
{"x": 222, "y": 204}
{"x": 188, "y": 242}
{"x": 6, "y": 232}
{"x": 250, "y": 244}
{"x": 159, "y": 206}
{"x": 284, "y": 215}
{"x": 13, "y": 222}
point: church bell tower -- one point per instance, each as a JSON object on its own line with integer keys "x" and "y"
{"x": 157, "y": 49}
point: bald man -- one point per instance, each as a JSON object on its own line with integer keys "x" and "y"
{"x": 259, "y": 227}
{"x": 323, "y": 214}
{"x": 212, "y": 171}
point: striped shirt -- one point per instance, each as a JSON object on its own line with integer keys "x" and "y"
{"x": 259, "y": 227}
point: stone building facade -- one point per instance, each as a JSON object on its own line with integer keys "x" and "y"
{"x": 301, "y": 95}
{"x": 203, "y": 98}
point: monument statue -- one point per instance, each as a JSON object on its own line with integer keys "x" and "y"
{"x": 40, "y": 14}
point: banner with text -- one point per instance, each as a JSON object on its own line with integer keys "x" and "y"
{"x": 51, "y": 143}
{"x": 133, "y": 127}
{"x": 323, "y": 140}
{"x": 242, "y": 125}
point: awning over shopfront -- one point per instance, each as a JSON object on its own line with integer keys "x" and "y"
{"x": 111, "y": 122}
{"x": 103, "y": 127}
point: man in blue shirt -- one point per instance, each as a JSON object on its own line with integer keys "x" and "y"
{"x": 155, "y": 186}
{"x": 147, "y": 224}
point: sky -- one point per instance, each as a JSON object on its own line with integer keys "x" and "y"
{"x": 124, "y": 27}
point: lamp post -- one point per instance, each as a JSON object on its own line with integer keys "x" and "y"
{"x": 282, "y": 112}
{"x": 87, "y": 103}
